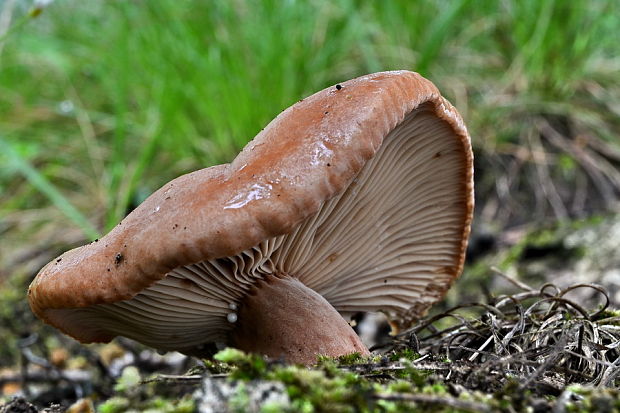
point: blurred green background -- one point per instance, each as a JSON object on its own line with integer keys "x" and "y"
{"x": 101, "y": 102}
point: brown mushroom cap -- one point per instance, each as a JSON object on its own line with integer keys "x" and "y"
{"x": 363, "y": 192}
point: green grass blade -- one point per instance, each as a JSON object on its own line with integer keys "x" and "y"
{"x": 439, "y": 32}
{"x": 40, "y": 182}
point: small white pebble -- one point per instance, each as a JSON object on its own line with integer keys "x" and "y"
{"x": 232, "y": 306}
{"x": 231, "y": 317}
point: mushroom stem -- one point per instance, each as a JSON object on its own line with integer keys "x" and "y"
{"x": 281, "y": 317}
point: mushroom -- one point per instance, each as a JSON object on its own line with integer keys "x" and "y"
{"x": 357, "y": 198}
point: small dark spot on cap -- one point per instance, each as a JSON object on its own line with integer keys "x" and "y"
{"x": 437, "y": 155}
{"x": 184, "y": 227}
{"x": 326, "y": 112}
{"x": 118, "y": 258}
{"x": 96, "y": 239}
{"x": 167, "y": 197}
{"x": 384, "y": 281}
{"x": 338, "y": 87}
{"x": 108, "y": 270}
{"x": 329, "y": 164}
{"x": 59, "y": 259}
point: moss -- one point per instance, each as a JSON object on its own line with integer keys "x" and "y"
{"x": 148, "y": 403}
{"x": 593, "y": 399}
{"x": 413, "y": 375}
{"x": 130, "y": 378}
{"x": 400, "y": 386}
{"x": 114, "y": 405}
{"x": 231, "y": 355}
{"x": 132, "y": 394}
{"x": 349, "y": 359}
{"x": 248, "y": 366}
{"x": 406, "y": 354}
{"x": 334, "y": 385}
{"x": 610, "y": 315}
{"x": 325, "y": 388}
{"x": 211, "y": 366}
{"x": 321, "y": 389}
